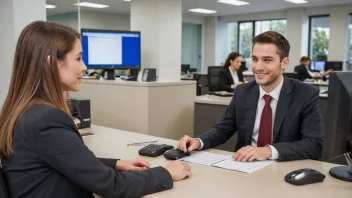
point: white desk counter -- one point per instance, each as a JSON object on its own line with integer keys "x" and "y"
{"x": 209, "y": 182}
{"x": 164, "y": 109}
{"x": 137, "y": 83}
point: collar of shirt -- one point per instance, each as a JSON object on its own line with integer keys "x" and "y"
{"x": 232, "y": 71}
{"x": 274, "y": 93}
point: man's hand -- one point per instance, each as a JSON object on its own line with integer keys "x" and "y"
{"x": 132, "y": 165}
{"x": 250, "y": 153}
{"x": 188, "y": 144}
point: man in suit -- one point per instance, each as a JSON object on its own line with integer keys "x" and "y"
{"x": 303, "y": 71}
{"x": 276, "y": 117}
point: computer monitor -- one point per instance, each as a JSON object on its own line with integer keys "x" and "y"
{"x": 338, "y": 122}
{"x": 111, "y": 49}
{"x": 243, "y": 66}
{"x": 334, "y": 65}
{"x": 318, "y": 65}
{"x": 185, "y": 68}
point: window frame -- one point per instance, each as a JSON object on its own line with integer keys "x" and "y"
{"x": 310, "y": 31}
{"x": 253, "y": 25}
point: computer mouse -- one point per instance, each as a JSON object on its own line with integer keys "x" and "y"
{"x": 304, "y": 176}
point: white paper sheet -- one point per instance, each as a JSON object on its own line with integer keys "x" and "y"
{"x": 205, "y": 158}
{"x": 247, "y": 167}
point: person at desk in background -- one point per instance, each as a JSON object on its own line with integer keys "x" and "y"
{"x": 230, "y": 75}
{"x": 275, "y": 117}
{"x": 41, "y": 150}
{"x": 305, "y": 74}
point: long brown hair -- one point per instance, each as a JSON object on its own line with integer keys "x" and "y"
{"x": 35, "y": 76}
{"x": 232, "y": 56}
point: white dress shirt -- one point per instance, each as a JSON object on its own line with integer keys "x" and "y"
{"x": 234, "y": 76}
{"x": 275, "y": 94}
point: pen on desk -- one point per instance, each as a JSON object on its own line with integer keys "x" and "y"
{"x": 140, "y": 143}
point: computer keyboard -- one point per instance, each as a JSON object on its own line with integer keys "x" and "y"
{"x": 174, "y": 154}
{"x": 153, "y": 150}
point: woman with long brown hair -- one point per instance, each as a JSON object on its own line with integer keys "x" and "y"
{"x": 41, "y": 150}
{"x": 231, "y": 75}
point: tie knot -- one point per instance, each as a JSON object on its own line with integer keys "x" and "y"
{"x": 267, "y": 99}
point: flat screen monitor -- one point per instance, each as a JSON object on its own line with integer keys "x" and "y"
{"x": 243, "y": 66}
{"x": 111, "y": 49}
{"x": 318, "y": 65}
{"x": 338, "y": 121}
{"x": 185, "y": 68}
{"x": 334, "y": 65}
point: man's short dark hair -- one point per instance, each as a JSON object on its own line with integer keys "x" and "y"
{"x": 271, "y": 37}
{"x": 304, "y": 59}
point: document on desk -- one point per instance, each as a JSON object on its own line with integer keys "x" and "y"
{"x": 247, "y": 167}
{"x": 205, "y": 158}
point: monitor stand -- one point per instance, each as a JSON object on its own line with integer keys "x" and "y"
{"x": 111, "y": 74}
{"x": 343, "y": 173}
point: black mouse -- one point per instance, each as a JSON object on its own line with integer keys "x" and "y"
{"x": 304, "y": 176}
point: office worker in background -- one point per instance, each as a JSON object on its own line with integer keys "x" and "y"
{"x": 230, "y": 75}
{"x": 42, "y": 152}
{"x": 275, "y": 117}
{"x": 305, "y": 74}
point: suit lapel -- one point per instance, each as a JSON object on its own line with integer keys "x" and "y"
{"x": 251, "y": 110}
{"x": 282, "y": 106}
{"x": 229, "y": 76}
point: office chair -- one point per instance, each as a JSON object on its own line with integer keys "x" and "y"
{"x": 3, "y": 187}
{"x": 213, "y": 78}
{"x": 291, "y": 75}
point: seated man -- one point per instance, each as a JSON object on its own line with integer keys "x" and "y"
{"x": 276, "y": 117}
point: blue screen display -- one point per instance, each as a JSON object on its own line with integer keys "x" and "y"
{"x": 111, "y": 49}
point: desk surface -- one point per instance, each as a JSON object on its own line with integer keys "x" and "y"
{"x": 216, "y": 182}
{"x": 318, "y": 83}
{"x": 137, "y": 83}
{"x": 211, "y": 99}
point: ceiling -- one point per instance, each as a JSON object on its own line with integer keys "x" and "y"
{"x": 122, "y": 7}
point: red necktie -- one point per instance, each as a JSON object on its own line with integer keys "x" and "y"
{"x": 265, "y": 127}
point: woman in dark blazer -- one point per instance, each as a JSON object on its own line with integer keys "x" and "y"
{"x": 41, "y": 150}
{"x": 231, "y": 75}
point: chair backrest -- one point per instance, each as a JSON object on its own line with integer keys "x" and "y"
{"x": 3, "y": 187}
{"x": 291, "y": 75}
{"x": 213, "y": 78}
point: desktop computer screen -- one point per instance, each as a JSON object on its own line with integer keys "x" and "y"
{"x": 185, "y": 68}
{"x": 243, "y": 66}
{"x": 318, "y": 65}
{"x": 338, "y": 122}
{"x": 111, "y": 49}
{"x": 334, "y": 65}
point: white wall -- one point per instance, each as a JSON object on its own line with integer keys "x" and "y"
{"x": 101, "y": 20}
{"x": 14, "y": 16}
{"x": 221, "y": 42}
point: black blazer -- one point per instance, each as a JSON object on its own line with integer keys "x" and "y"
{"x": 298, "y": 127}
{"x": 225, "y": 79}
{"x": 302, "y": 72}
{"x": 51, "y": 160}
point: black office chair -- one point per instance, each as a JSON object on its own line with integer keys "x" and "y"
{"x": 213, "y": 78}
{"x": 291, "y": 75}
{"x": 3, "y": 187}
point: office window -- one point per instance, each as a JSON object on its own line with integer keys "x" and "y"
{"x": 349, "y": 65}
{"x": 245, "y": 41}
{"x": 272, "y": 25}
{"x": 233, "y": 34}
{"x": 319, "y": 37}
{"x": 240, "y": 40}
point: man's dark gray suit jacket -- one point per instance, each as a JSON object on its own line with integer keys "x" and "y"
{"x": 298, "y": 128}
